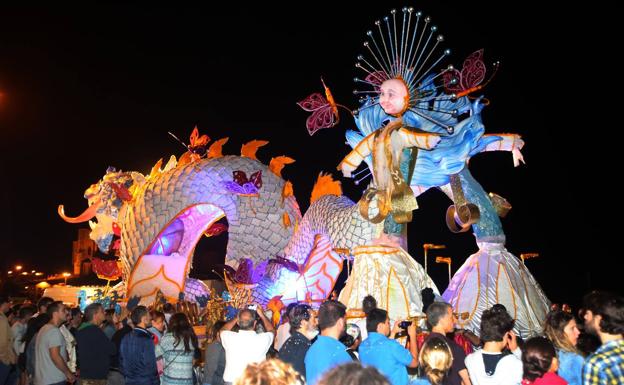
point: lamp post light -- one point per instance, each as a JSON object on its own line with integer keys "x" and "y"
{"x": 448, "y": 261}
{"x": 524, "y": 256}
{"x": 66, "y": 275}
{"x": 18, "y": 267}
{"x": 428, "y": 246}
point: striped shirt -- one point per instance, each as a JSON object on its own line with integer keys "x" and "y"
{"x": 606, "y": 365}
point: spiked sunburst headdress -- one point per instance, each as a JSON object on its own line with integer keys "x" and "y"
{"x": 407, "y": 47}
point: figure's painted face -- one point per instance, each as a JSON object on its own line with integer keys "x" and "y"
{"x": 393, "y": 96}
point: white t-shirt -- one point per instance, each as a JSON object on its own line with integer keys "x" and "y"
{"x": 508, "y": 370}
{"x": 243, "y": 348}
{"x": 283, "y": 333}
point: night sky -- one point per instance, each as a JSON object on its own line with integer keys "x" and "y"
{"x": 82, "y": 89}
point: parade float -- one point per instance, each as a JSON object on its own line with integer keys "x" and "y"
{"x": 416, "y": 127}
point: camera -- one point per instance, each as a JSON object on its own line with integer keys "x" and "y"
{"x": 252, "y": 307}
{"x": 405, "y": 324}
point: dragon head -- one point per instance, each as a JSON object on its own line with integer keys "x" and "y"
{"x": 106, "y": 198}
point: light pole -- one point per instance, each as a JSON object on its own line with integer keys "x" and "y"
{"x": 448, "y": 261}
{"x": 524, "y": 256}
{"x": 428, "y": 246}
{"x": 66, "y": 275}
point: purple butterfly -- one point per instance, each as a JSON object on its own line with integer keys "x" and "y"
{"x": 243, "y": 186}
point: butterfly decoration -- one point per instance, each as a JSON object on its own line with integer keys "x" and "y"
{"x": 197, "y": 147}
{"x": 469, "y": 79}
{"x": 247, "y": 273}
{"x": 243, "y": 186}
{"x": 198, "y": 144}
{"x": 324, "y": 110}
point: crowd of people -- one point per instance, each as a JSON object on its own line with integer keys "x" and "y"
{"x": 51, "y": 344}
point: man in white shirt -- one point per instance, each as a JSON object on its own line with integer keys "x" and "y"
{"x": 245, "y": 346}
{"x": 494, "y": 365}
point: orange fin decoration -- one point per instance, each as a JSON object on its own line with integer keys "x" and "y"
{"x": 248, "y": 150}
{"x": 277, "y": 164}
{"x": 325, "y": 185}
{"x": 216, "y": 148}
{"x": 275, "y": 305}
{"x": 286, "y": 220}
{"x": 185, "y": 159}
{"x": 171, "y": 164}
{"x": 287, "y": 190}
{"x": 156, "y": 169}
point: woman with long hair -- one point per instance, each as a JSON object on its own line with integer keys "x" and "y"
{"x": 561, "y": 329}
{"x": 435, "y": 360}
{"x": 178, "y": 349}
{"x": 214, "y": 362}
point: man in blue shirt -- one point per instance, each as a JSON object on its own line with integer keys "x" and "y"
{"x": 327, "y": 352}
{"x": 383, "y": 352}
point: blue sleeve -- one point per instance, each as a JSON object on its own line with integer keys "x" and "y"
{"x": 402, "y": 355}
{"x": 149, "y": 356}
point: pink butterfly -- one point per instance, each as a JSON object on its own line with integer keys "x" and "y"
{"x": 469, "y": 79}
{"x": 243, "y": 186}
{"x": 324, "y": 110}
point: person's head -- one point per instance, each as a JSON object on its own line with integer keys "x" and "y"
{"x": 168, "y": 308}
{"x": 34, "y": 324}
{"x": 428, "y": 297}
{"x": 26, "y": 312}
{"x": 57, "y": 312}
{"x": 394, "y": 96}
{"x": 377, "y": 321}
{"x": 180, "y": 327}
{"x": 288, "y": 310}
{"x": 158, "y": 320}
{"x": 495, "y": 324}
{"x": 368, "y": 303}
{"x": 212, "y": 333}
{"x": 43, "y": 303}
{"x": 76, "y": 316}
{"x": 303, "y": 319}
{"x": 331, "y": 315}
{"x": 5, "y": 304}
{"x": 538, "y": 358}
{"x": 140, "y": 317}
{"x": 353, "y": 373}
{"x": 604, "y": 313}
{"x": 440, "y": 316}
{"x": 560, "y": 327}
{"x": 246, "y": 319}
{"x": 94, "y": 313}
{"x": 111, "y": 317}
{"x": 352, "y": 337}
{"x": 270, "y": 372}
{"x": 435, "y": 359}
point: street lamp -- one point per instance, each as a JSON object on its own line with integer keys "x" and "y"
{"x": 65, "y": 275}
{"x": 524, "y": 256}
{"x": 18, "y": 267}
{"x": 428, "y": 246}
{"x": 448, "y": 261}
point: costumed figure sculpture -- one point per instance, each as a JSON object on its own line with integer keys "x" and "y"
{"x": 406, "y": 101}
